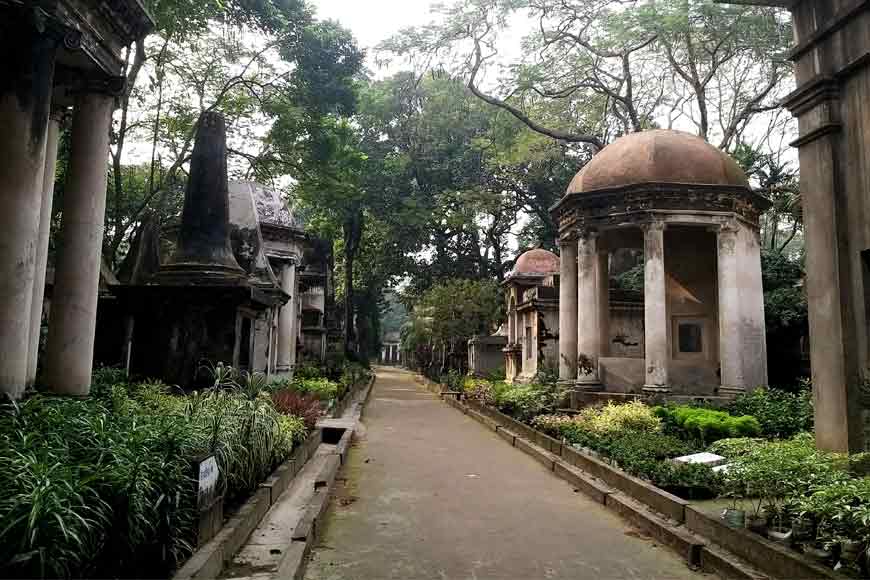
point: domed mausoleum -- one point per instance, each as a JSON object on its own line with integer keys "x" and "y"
{"x": 690, "y": 209}
{"x": 532, "y": 314}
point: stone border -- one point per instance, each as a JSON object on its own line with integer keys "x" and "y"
{"x": 306, "y": 533}
{"x": 209, "y": 560}
{"x": 703, "y": 541}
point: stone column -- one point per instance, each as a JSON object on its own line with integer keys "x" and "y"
{"x": 568, "y": 312}
{"x": 70, "y": 348}
{"x": 754, "y": 331}
{"x": 286, "y": 322}
{"x": 588, "y": 328}
{"x": 655, "y": 309}
{"x": 25, "y": 98}
{"x": 603, "y": 267}
{"x": 42, "y": 247}
{"x": 730, "y": 327}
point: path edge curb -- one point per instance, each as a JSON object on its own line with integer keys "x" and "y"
{"x": 295, "y": 560}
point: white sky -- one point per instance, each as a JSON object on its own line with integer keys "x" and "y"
{"x": 372, "y": 21}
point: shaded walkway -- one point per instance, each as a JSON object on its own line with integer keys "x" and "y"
{"x": 429, "y": 493}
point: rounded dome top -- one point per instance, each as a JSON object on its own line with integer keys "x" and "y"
{"x": 537, "y": 261}
{"x": 659, "y": 156}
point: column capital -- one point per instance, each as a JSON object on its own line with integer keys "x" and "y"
{"x": 727, "y": 226}
{"x": 654, "y": 224}
{"x": 587, "y": 234}
{"x": 567, "y": 241}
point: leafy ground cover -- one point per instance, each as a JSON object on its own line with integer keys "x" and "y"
{"x": 104, "y": 487}
{"x": 818, "y": 501}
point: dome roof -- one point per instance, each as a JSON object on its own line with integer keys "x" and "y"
{"x": 537, "y": 261}
{"x": 659, "y": 156}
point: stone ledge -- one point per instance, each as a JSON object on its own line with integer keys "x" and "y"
{"x": 544, "y": 457}
{"x": 769, "y": 557}
{"x": 661, "y": 501}
{"x": 507, "y": 435}
{"x": 343, "y": 446}
{"x": 548, "y": 443}
{"x": 295, "y": 559}
{"x": 209, "y": 560}
{"x": 489, "y": 423}
{"x": 725, "y": 565}
{"x": 589, "y": 486}
{"x": 668, "y": 532}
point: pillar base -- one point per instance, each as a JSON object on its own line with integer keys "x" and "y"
{"x": 588, "y": 383}
{"x": 732, "y": 392}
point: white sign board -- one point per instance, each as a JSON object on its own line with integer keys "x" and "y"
{"x": 208, "y": 476}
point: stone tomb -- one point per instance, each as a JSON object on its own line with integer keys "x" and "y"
{"x": 202, "y": 306}
{"x": 532, "y": 314}
{"x": 486, "y": 353}
{"x": 690, "y": 208}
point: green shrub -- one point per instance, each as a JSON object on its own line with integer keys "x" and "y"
{"x": 780, "y": 414}
{"x": 771, "y": 472}
{"x": 840, "y": 510}
{"x": 104, "y": 486}
{"x": 629, "y": 437}
{"x": 647, "y": 455}
{"x": 325, "y": 389}
{"x": 479, "y": 391}
{"x": 525, "y": 401}
{"x": 308, "y": 370}
{"x": 707, "y": 425}
{"x": 732, "y": 448}
{"x": 554, "y": 425}
{"x": 634, "y": 417}
{"x": 496, "y": 375}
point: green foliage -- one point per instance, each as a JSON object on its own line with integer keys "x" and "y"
{"x": 840, "y": 511}
{"x": 632, "y": 279}
{"x": 734, "y": 447}
{"x": 785, "y": 301}
{"x": 707, "y": 425}
{"x": 632, "y": 417}
{"x": 323, "y": 389}
{"x": 772, "y": 472}
{"x": 780, "y": 414}
{"x": 524, "y": 402}
{"x": 308, "y": 370}
{"x": 630, "y": 436}
{"x": 447, "y": 316}
{"x": 104, "y": 486}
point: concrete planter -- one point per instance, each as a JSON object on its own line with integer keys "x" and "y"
{"x": 209, "y": 560}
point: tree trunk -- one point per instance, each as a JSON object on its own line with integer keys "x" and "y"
{"x": 353, "y": 227}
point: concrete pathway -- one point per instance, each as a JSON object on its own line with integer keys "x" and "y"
{"x": 429, "y": 493}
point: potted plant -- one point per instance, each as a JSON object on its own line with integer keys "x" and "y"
{"x": 779, "y": 525}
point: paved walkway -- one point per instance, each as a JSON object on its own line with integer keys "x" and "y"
{"x": 429, "y": 493}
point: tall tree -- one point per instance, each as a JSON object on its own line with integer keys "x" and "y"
{"x": 617, "y": 66}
